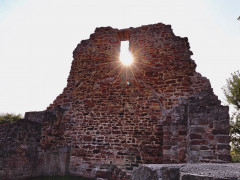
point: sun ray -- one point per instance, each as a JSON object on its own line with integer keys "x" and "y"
{"x": 141, "y": 71}
{"x": 107, "y": 63}
{"x": 118, "y": 76}
{"x": 126, "y": 75}
{"x": 133, "y": 68}
{"x": 134, "y": 78}
{"x": 152, "y": 67}
{"x": 113, "y": 69}
{"x": 135, "y": 51}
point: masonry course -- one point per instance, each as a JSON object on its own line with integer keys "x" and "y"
{"x": 167, "y": 113}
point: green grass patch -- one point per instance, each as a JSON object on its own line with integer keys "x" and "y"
{"x": 9, "y": 117}
{"x": 235, "y": 157}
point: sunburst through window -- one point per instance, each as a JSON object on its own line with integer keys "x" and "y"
{"x": 125, "y": 55}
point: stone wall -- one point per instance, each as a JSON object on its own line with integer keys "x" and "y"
{"x": 21, "y": 154}
{"x": 166, "y": 113}
{"x": 19, "y": 149}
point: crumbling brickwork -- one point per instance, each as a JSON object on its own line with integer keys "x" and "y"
{"x": 166, "y": 113}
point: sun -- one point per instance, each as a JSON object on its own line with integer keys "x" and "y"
{"x": 125, "y": 55}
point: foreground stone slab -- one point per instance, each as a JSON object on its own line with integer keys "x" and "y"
{"x": 199, "y": 171}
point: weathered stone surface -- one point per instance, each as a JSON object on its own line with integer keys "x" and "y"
{"x": 18, "y": 149}
{"x": 198, "y": 171}
{"x": 157, "y": 172}
{"x": 146, "y": 173}
{"x": 199, "y": 177}
{"x": 167, "y": 113}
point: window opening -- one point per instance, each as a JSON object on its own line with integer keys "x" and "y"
{"x": 125, "y": 55}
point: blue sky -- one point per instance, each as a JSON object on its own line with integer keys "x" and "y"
{"x": 37, "y": 38}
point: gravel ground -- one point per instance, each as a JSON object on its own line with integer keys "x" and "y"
{"x": 213, "y": 169}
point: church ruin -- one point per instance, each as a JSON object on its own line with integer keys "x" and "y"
{"x": 158, "y": 110}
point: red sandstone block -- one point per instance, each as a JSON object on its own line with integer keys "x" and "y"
{"x": 223, "y": 139}
{"x": 210, "y": 137}
{"x": 220, "y": 131}
{"x": 198, "y": 142}
{"x": 221, "y": 147}
{"x": 204, "y": 148}
{"x": 87, "y": 138}
{"x": 182, "y": 132}
{"x": 181, "y": 138}
{"x": 195, "y": 136}
{"x": 226, "y": 158}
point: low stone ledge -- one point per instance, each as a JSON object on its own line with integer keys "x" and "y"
{"x": 157, "y": 172}
{"x": 199, "y": 177}
{"x": 199, "y": 171}
{"x": 215, "y": 170}
{"x": 35, "y": 116}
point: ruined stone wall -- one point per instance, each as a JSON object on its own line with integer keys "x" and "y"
{"x": 21, "y": 155}
{"x": 19, "y": 149}
{"x": 103, "y": 126}
{"x": 167, "y": 114}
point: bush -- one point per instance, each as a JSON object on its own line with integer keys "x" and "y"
{"x": 9, "y": 118}
{"x": 232, "y": 94}
{"x": 235, "y": 157}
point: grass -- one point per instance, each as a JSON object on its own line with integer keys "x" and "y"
{"x": 9, "y": 117}
{"x": 235, "y": 157}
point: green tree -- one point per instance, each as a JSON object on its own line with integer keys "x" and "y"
{"x": 232, "y": 94}
{"x": 232, "y": 90}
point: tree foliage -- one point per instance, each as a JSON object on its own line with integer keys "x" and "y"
{"x": 232, "y": 90}
{"x": 232, "y": 94}
{"x": 9, "y": 117}
{"x": 235, "y": 136}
